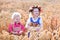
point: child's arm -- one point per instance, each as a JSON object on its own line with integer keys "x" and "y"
{"x": 28, "y": 23}
{"x": 41, "y": 23}
{"x": 10, "y": 29}
{"x": 23, "y": 28}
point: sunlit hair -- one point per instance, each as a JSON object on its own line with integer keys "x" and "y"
{"x": 15, "y": 13}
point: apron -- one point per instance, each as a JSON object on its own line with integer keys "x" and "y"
{"x": 36, "y": 23}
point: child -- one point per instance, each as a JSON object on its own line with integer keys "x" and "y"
{"x": 16, "y": 27}
{"x": 35, "y": 20}
{"x": 34, "y": 23}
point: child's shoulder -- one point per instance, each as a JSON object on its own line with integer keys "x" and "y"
{"x": 37, "y": 17}
{"x": 21, "y": 24}
{"x": 40, "y": 17}
{"x": 11, "y": 23}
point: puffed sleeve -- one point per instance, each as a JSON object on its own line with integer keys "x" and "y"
{"x": 41, "y": 22}
{"x": 27, "y": 23}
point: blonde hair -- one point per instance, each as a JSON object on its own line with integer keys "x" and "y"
{"x": 15, "y": 13}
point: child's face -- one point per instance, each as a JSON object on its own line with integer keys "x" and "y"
{"x": 16, "y": 18}
{"x": 36, "y": 12}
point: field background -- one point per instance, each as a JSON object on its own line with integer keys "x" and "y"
{"x": 49, "y": 8}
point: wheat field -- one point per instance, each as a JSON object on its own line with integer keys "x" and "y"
{"x": 50, "y": 10}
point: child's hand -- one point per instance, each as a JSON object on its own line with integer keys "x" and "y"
{"x": 37, "y": 29}
{"x": 20, "y": 32}
{"x": 15, "y": 32}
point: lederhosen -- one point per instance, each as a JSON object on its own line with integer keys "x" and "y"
{"x": 37, "y": 22}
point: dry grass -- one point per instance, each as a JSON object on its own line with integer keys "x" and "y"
{"x": 49, "y": 8}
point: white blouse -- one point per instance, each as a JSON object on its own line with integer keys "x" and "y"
{"x": 28, "y": 21}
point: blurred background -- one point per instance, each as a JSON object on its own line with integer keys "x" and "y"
{"x": 49, "y": 9}
{"x": 50, "y": 14}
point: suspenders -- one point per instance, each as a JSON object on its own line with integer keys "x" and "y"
{"x": 31, "y": 19}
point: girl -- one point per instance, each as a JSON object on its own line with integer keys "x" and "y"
{"x": 35, "y": 20}
{"x": 16, "y": 27}
{"x": 34, "y": 23}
